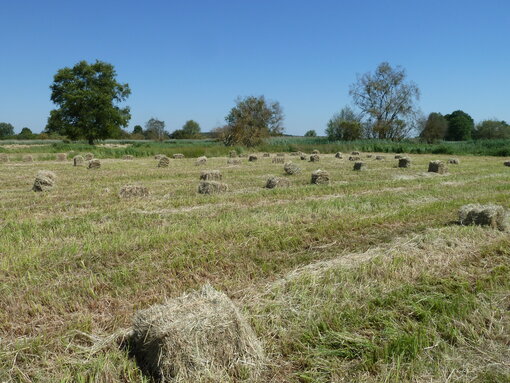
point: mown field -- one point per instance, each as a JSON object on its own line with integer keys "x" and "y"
{"x": 368, "y": 279}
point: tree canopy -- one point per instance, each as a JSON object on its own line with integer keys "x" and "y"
{"x": 6, "y": 129}
{"x": 491, "y": 129}
{"x": 460, "y": 126}
{"x": 155, "y": 129}
{"x": 87, "y": 96}
{"x": 191, "y": 129}
{"x": 311, "y": 133}
{"x": 434, "y": 129}
{"x": 345, "y": 125}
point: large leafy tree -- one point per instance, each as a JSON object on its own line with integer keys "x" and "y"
{"x": 460, "y": 126}
{"x": 387, "y": 100}
{"x": 435, "y": 128}
{"x": 87, "y": 96}
{"x": 345, "y": 125}
{"x": 191, "y": 129}
{"x": 492, "y": 129}
{"x": 251, "y": 121}
{"x": 155, "y": 129}
{"x": 26, "y": 134}
{"x": 6, "y": 129}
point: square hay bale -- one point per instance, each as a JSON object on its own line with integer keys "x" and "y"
{"x": 370, "y": 155}
{"x": 164, "y": 161}
{"x": 315, "y": 151}
{"x": 483, "y": 215}
{"x": 200, "y": 336}
{"x": 44, "y": 180}
{"x": 201, "y": 160}
{"x": 266, "y": 155}
{"x": 278, "y": 160}
{"x": 379, "y": 158}
{"x": 291, "y": 168}
{"x": 234, "y": 161}
{"x": 280, "y": 154}
{"x": 128, "y": 191}
{"x": 212, "y": 187}
{"x": 315, "y": 158}
{"x": 404, "y": 162}
{"x": 28, "y": 158}
{"x": 178, "y": 156}
{"x": 454, "y": 161}
{"x": 338, "y": 155}
{"x": 158, "y": 156}
{"x": 252, "y": 158}
{"x": 354, "y": 158}
{"x": 303, "y": 157}
{"x": 208, "y": 175}
{"x": 437, "y": 167}
{"x": 355, "y": 153}
{"x": 89, "y": 156}
{"x": 295, "y": 154}
{"x": 128, "y": 157}
{"x": 506, "y": 163}
{"x": 61, "y": 157}
{"x": 4, "y": 157}
{"x": 277, "y": 182}
{"x": 78, "y": 161}
{"x": 398, "y": 157}
{"x": 232, "y": 154}
{"x": 94, "y": 164}
{"x": 358, "y": 165}
{"x": 320, "y": 177}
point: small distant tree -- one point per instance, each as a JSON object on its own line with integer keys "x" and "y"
{"x": 311, "y": 133}
{"x": 155, "y": 130}
{"x": 6, "y": 130}
{"x": 137, "y": 129}
{"x": 190, "y": 130}
{"x": 26, "y": 134}
{"x": 345, "y": 125}
{"x": 434, "y": 129}
{"x": 251, "y": 121}
{"x": 491, "y": 129}
{"x": 460, "y": 126}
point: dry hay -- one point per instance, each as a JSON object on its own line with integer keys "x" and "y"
{"x": 295, "y": 154}
{"x": 338, "y": 155}
{"x": 197, "y": 337}
{"x": 201, "y": 161}
{"x": 280, "y": 154}
{"x": 398, "y": 157}
{"x": 78, "y": 161}
{"x": 208, "y": 175}
{"x": 232, "y": 154}
{"x": 437, "y": 167}
{"x": 315, "y": 158}
{"x": 4, "y": 157}
{"x": 483, "y": 215}
{"x": 278, "y": 160}
{"x": 355, "y": 153}
{"x": 320, "y": 177}
{"x": 234, "y": 161}
{"x": 178, "y": 156}
{"x": 128, "y": 191}
{"x": 94, "y": 164}
{"x": 315, "y": 151}
{"x": 212, "y": 187}
{"x": 277, "y": 182}
{"x": 89, "y": 156}
{"x": 379, "y": 158}
{"x": 354, "y": 158}
{"x": 454, "y": 161}
{"x": 44, "y": 180}
{"x": 370, "y": 155}
{"x": 252, "y": 158}
{"x": 28, "y": 158}
{"x": 404, "y": 162}
{"x": 164, "y": 161}
{"x": 506, "y": 163}
{"x": 128, "y": 157}
{"x": 303, "y": 157}
{"x": 291, "y": 168}
{"x": 266, "y": 155}
{"x": 358, "y": 165}
{"x": 158, "y": 156}
{"x": 61, "y": 157}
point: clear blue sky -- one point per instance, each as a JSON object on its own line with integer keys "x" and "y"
{"x": 191, "y": 59}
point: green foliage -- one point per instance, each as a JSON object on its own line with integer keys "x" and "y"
{"x": 460, "y": 126}
{"x": 155, "y": 130}
{"x": 137, "y": 129}
{"x": 311, "y": 133}
{"x": 6, "y": 130}
{"x": 190, "y": 130}
{"x": 434, "y": 129}
{"x": 86, "y": 96}
{"x": 26, "y": 134}
{"x": 492, "y": 129}
{"x": 344, "y": 126}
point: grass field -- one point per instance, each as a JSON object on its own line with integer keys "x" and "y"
{"x": 368, "y": 279}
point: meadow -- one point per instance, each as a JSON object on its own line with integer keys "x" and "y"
{"x": 367, "y": 279}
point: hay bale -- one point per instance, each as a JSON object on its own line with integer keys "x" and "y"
{"x": 178, "y": 156}
{"x": 379, "y": 158}
{"x": 278, "y": 160}
{"x": 369, "y": 155}
{"x": 506, "y": 163}
{"x": 200, "y": 336}
{"x": 212, "y": 187}
{"x": 234, "y": 161}
{"x": 94, "y": 164}
{"x": 61, "y": 157}
{"x": 128, "y": 191}
{"x": 158, "y": 156}
{"x": 208, "y": 175}
{"x": 355, "y": 153}
{"x": 437, "y": 167}
{"x": 89, "y": 156}
{"x": 4, "y": 157}
{"x": 291, "y": 168}
{"x": 280, "y": 154}
{"x": 404, "y": 162}
{"x": 252, "y": 158}
{"x": 266, "y": 155}
{"x": 454, "y": 161}
{"x": 315, "y": 151}
{"x": 232, "y": 154}
{"x": 164, "y": 161}
{"x": 201, "y": 161}
{"x": 338, "y": 155}
{"x": 295, "y": 154}
{"x": 78, "y": 161}
{"x": 28, "y": 158}
{"x": 128, "y": 157}
{"x": 398, "y": 157}
{"x": 315, "y": 158}
{"x": 483, "y": 215}
{"x": 354, "y": 158}
{"x": 303, "y": 157}
{"x": 44, "y": 180}
{"x": 277, "y": 182}
{"x": 358, "y": 165}
{"x": 320, "y": 177}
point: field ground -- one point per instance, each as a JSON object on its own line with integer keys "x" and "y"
{"x": 368, "y": 279}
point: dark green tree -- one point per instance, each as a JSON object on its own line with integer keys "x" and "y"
{"x": 190, "y": 130}
{"x": 460, "y": 126}
{"x": 87, "y": 96}
{"x": 6, "y": 130}
{"x": 137, "y": 129}
{"x": 26, "y": 134}
{"x": 311, "y": 133}
{"x": 345, "y": 125}
{"x": 434, "y": 129}
{"x": 491, "y": 129}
